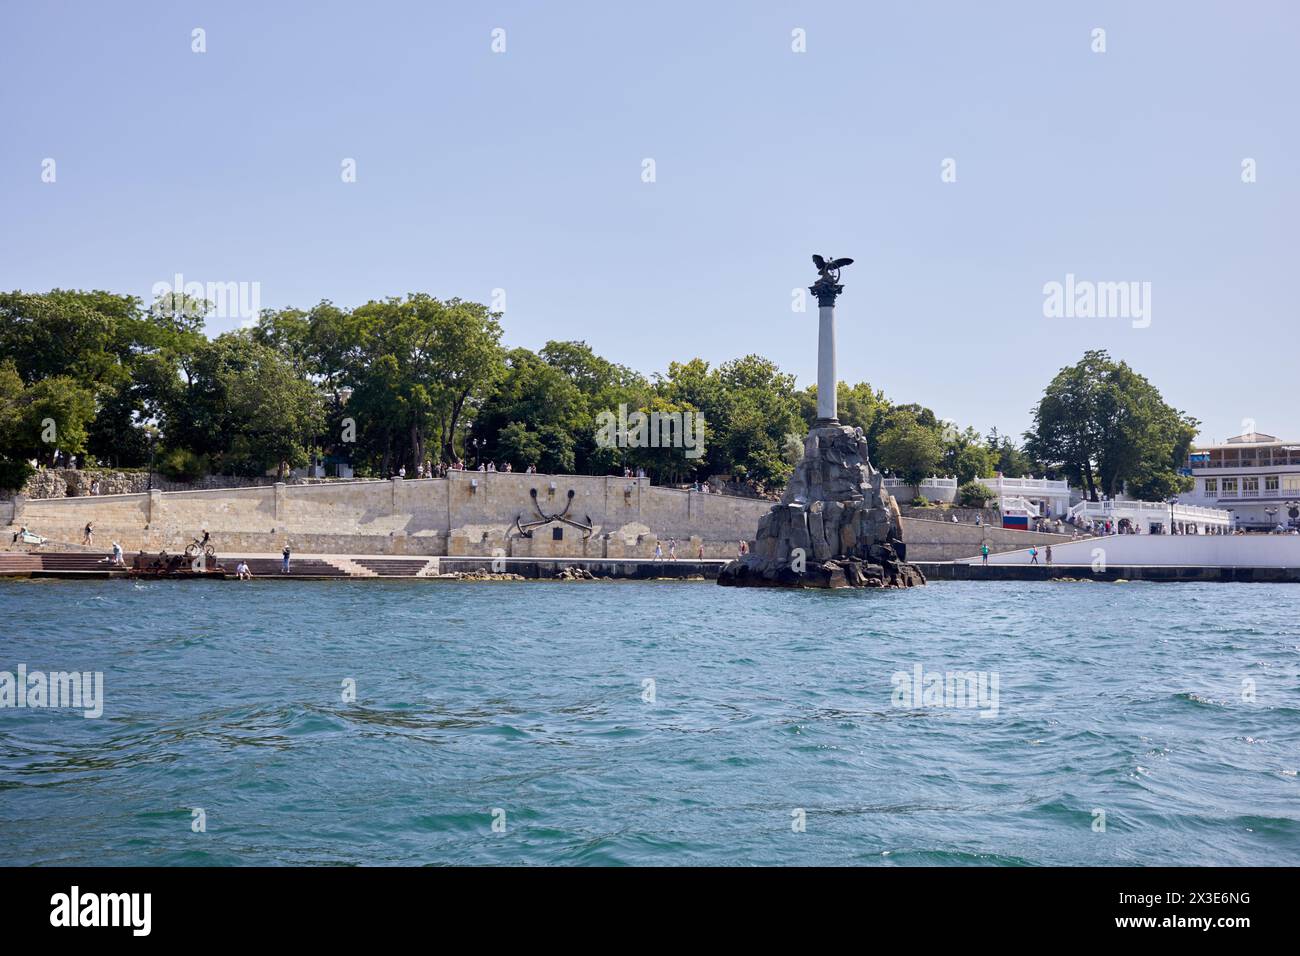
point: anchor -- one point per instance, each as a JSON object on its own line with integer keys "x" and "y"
{"x": 526, "y": 528}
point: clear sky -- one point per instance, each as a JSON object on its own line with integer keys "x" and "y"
{"x": 523, "y": 171}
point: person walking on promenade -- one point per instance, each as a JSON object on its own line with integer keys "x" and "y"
{"x": 287, "y": 555}
{"x": 1033, "y": 555}
{"x": 700, "y": 556}
{"x": 984, "y": 554}
{"x": 89, "y": 534}
{"x": 672, "y": 549}
{"x": 659, "y": 551}
{"x": 1048, "y": 555}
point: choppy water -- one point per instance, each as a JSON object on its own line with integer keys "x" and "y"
{"x": 530, "y": 698}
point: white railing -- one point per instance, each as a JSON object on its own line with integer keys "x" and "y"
{"x": 1005, "y": 485}
{"x": 931, "y": 482}
{"x": 1155, "y": 509}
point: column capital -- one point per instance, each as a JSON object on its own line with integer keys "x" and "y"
{"x": 826, "y": 290}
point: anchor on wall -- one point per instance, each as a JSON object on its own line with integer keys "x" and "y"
{"x": 526, "y": 528}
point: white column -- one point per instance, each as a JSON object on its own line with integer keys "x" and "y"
{"x": 826, "y": 396}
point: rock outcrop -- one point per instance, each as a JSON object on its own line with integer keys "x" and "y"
{"x": 835, "y": 526}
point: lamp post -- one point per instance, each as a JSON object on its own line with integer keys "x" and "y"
{"x": 1271, "y": 511}
{"x": 1172, "y": 502}
{"x": 478, "y": 444}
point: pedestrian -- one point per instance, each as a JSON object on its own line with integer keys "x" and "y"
{"x": 287, "y": 554}
{"x": 1033, "y": 555}
{"x": 1048, "y": 554}
{"x": 659, "y": 551}
{"x": 701, "y": 554}
{"x": 672, "y": 549}
{"x": 89, "y": 534}
{"x": 744, "y": 548}
{"x": 984, "y": 554}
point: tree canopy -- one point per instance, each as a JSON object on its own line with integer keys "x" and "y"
{"x": 1109, "y": 430}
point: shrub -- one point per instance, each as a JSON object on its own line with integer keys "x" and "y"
{"x": 181, "y": 464}
{"x": 974, "y": 494}
{"x": 920, "y": 501}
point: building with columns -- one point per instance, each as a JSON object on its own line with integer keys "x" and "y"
{"x": 1255, "y": 477}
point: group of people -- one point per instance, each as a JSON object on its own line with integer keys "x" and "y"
{"x": 437, "y": 469}
{"x": 672, "y": 550}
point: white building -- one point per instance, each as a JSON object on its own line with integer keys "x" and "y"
{"x": 1048, "y": 498}
{"x": 1151, "y": 517}
{"x": 1254, "y": 476}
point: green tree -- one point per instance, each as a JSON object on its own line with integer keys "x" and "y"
{"x": 1108, "y": 427}
{"x": 910, "y": 449}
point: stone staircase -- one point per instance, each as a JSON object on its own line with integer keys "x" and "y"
{"x": 393, "y": 567}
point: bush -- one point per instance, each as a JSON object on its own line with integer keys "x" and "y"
{"x": 974, "y": 494}
{"x": 920, "y": 501}
{"x": 181, "y": 464}
{"x": 13, "y": 474}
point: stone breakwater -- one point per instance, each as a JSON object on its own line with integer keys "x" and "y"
{"x": 834, "y": 527}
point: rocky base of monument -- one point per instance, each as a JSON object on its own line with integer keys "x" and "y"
{"x": 835, "y": 526}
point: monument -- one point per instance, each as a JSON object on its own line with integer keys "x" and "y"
{"x": 835, "y": 526}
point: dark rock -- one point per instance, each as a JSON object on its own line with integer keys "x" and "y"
{"x": 835, "y": 526}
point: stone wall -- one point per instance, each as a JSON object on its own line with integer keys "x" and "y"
{"x": 470, "y": 513}
{"x": 945, "y": 541}
{"x": 75, "y": 482}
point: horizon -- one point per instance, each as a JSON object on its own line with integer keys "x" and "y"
{"x": 529, "y": 179}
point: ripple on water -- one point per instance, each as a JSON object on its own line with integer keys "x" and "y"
{"x": 534, "y": 702}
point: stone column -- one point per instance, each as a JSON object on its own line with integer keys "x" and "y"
{"x": 827, "y": 405}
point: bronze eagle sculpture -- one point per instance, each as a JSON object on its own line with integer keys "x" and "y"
{"x": 830, "y": 269}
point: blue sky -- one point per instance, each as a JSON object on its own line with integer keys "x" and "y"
{"x": 522, "y": 171}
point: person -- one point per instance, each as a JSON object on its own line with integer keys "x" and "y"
{"x": 744, "y": 548}
{"x": 139, "y": 561}
{"x": 979, "y": 521}
{"x": 287, "y": 554}
{"x": 89, "y": 534}
{"x": 94, "y": 486}
{"x": 401, "y": 472}
{"x": 701, "y": 551}
{"x": 492, "y": 466}
{"x": 1033, "y": 555}
{"x": 984, "y": 554}
{"x": 242, "y": 572}
{"x": 203, "y": 542}
{"x": 659, "y": 551}
{"x": 509, "y": 468}
{"x": 117, "y": 555}
{"x": 954, "y": 519}
{"x": 672, "y": 549}
{"x": 1048, "y": 554}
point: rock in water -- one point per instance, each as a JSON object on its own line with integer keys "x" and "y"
{"x": 835, "y": 526}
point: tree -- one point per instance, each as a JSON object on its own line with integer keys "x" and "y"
{"x": 244, "y": 407}
{"x": 909, "y": 448}
{"x": 1107, "y": 426}
{"x": 974, "y": 494}
{"x": 965, "y": 455}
